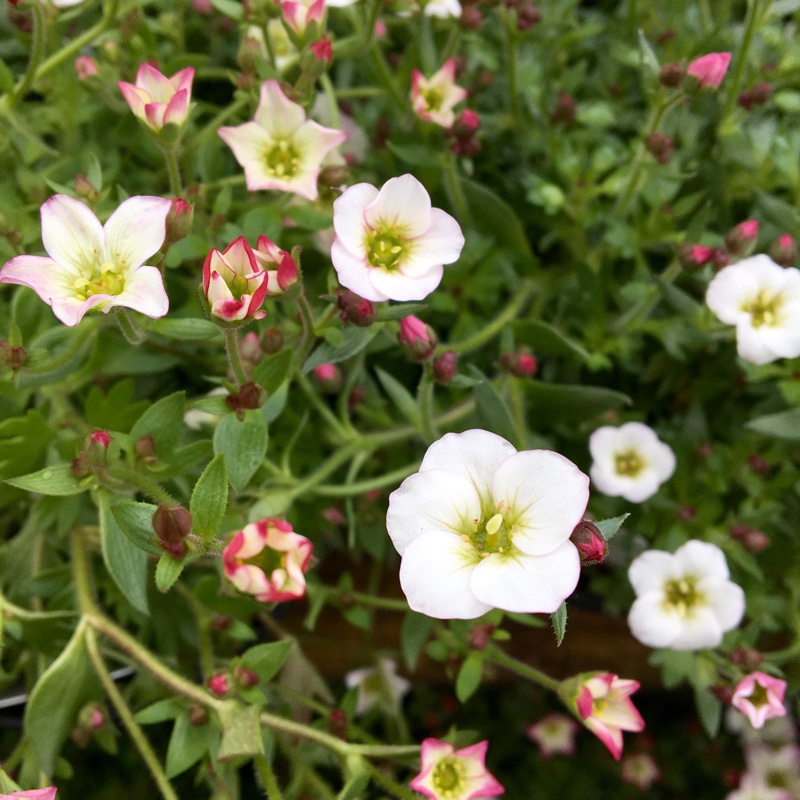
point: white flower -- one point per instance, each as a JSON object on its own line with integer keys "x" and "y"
{"x": 442, "y": 8}
{"x": 629, "y": 461}
{"x": 379, "y": 685}
{"x": 94, "y": 266}
{"x": 762, "y": 300}
{"x": 390, "y": 244}
{"x": 684, "y": 600}
{"x": 481, "y": 526}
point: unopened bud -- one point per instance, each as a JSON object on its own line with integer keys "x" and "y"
{"x": 355, "y": 309}
{"x": 758, "y": 464}
{"x": 527, "y": 15}
{"x": 329, "y": 377}
{"x": 445, "y": 366}
{"x": 322, "y": 50}
{"x": 85, "y": 67}
{"x": 564, "y": 109}
{"x": 660, "y": 146}
{"x": 218, "y": 684}
{"x": 752, "y": 539}
{"x": 693, "y": 256}
{"x": 783, "y": 250}
{"x": 250, "y": 350}
{"x": 418, "y": 339}
{"x": 671, "y": 75}
{"x": 271, "y": 341}
{"x": 723, "y": 693}
{"x": 252, "y": 51}
{"x": 479, "y": 636}
{"x": 741, "y": 239}
{"x": 246, "y": 678}
{"x": 719, "y": 258}
{"x": 519, "y": 364}
{"x": 172, "y": 524}
{"x": 13, "y": 357}
{"x": 221, "y": 622}
{"x": 198, "y": 716}
{"x": 333, "y": 176}
{"x": 249, "y": 397}
{"x": 145, "y": 447}
{"x": 747, "y": 657}
{"x": 358, "y": 394}
{"x": 84, "y": 189}
{"x": 467, "y": 123}
{"x": 179, "y": 221}
{"x": 471, "y": 18}
{"x": 103, "y": 438}
{"x": 687, "y": 513}
{"x": 337, "y": 723}
{"x": 591, "y": 545}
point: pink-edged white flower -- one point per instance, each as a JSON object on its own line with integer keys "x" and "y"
{"x": 234, "y": 283}
{"x": 391, "y": 244}
{"x": 762, "y": 300}
{"x": 640, "y": 770}
{"x": 268, "y": 560}
{"x": 33, "y": 794}
{"x": 760, "y": 697}
{"x": 378, "y": 685}
{"x": 775, "y": 766}
{"x": 158, "y": 100}
{"x": 753, "y": 788}
{"x": 434, "y": 98}
{"x": 299, "y": 14}
{"x": 629, "y": 461}
{"x": 602, "y": 702}
{"x": 450, "y": 774}
{"x": 709, "y": 70}
{"x": 281, "y": 149}
{"x": 555, "y": 735}
{"x": 281, "y": 268}
{"x": 684, "y": 600}
{"x": 481, "y": 526}
{"x": 94, "y": 266}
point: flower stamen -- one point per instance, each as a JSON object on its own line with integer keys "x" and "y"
{"x": 449, "y": 778}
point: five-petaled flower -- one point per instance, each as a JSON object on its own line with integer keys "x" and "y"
{"x": 482, "y": 526}
{"x": 760, "y": 697}
{"x": 299, "y": 14}
{"x": 762, "y": 300}
{"x": 378, "y": 685}
{"x": 709, "y": 70}
{"x": 268, "y": 560}
{"x": 281, "y": 149}
{"x": 391, "y": 244}
{"x": 94, "y": 266}
{"x": 450, "y": 774}
{"x": 684, "y": 600}
{"x": 630, "y": 461}
{"x": 555, "y": 735}
{"x": 602, "y": 702}
{"x": 434, "y": 98}
{"x": 158, "y": 100}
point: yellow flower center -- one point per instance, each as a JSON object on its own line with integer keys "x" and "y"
{"x": 764, "y": 309}
{"x": 493, "y": 535}
{"x": 629, "y": 463}
{"x": 433, "y": 99}
{"x": 682, "y": 594}
{"x": 281, "y": 160}
{"x": 386, "y": 248}
{"x": 96, "y": 278}
{"x": 449, "y": 777}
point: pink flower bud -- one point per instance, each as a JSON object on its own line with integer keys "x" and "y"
{"x": 329, "y": 377}
{"x": 671, "y": 75}
{"x": 591, "y": 545}
{"x": 85, "y": 189}
{"x": 760, "y": 697}
{"x": 479, "y": 635}
{"x": 13, "y": 357}
{"x": 355, "y": 309}
{"x": 337, "y": 723}
{"x": 719, "y": 258}
{"x": 322, "y": 50}
{"x": 419, "y": 339}
{"x": 145, "y": 447}
{"x": 218, "y": 684}
{"x": 752, "y": 539}
{"x": 741, "y": 239}
{"x": 660, "y": 146}
{"x": 783, "y": 250}
{"x": 520, "y": 364}
{"x": 747, "y": 657}
{"x": 709, "y": 70}
{"x": 249, "y": 397}
{"x": 179, "y": 221}
{"x": 172, "y": 524}
{"x": 565, "y": 109}
{"x": 101, "y": 437}
{"x": 445, "y": 366}
{"x": 96, "y": 719}
{"x": 250, "y": 349}
{"x": 246, "y": 678}
{"x": 693, "y": 256}
{"x": 85, "y": 67}
{"x": 272, "y": 341}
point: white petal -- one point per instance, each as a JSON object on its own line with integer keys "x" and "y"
{"x": 144, "y": 292}
{"x": 475, "y": 454}
{"x": 313, "y": 142}
{"x": 136, "y": 231}
{"x": 276, "y": 113}
{"x": 403, "y": 203}
{"x": 784, "y": 339}
{"x": 727, "y": 601}
{"x": 731, "y": 288}
{"x": 436, "y": 499}
{"x": 651, "y": 570}
{"x": 46, "y": 277}
{"x": 71, "y": 233}
{"x": 435, "y": 577}
{"x": 603, "y": 443}
{"x": 249, "y": 142}
{"x": 545, "y": 495}
{"x": 354, "y": 273}
{"x": 442, "y": 243}
{"x": 607, "y": 481}
{"x": 640, "y": 488}
{"x": 702, "y": 559}
{"x": 528, "y": 584}
{"x": 651, "y": 623}
{"x": 348, "y": 216}
{"x": 750, "y": 345}
{"x": 397, "y": 286}
{"x": 699, "y": 629}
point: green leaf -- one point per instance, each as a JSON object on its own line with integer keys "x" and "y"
{"x": 384, "y": 311}
{"x": 649, "y": 57}
{"x": 210, "y": 498}
{"x": 273, "y": 371}
{"x": 783, "y": 425}
{"x": 164, "y": 421}
{"x": 782, "y": 215}
{"x": 229, "y": 8}
{"x": 244, "y": 445}
{"x": 559, "y": 620}
{"x": 136, "y": 522}
{"x": 400, "y": 396}
{"x": 552, "y": 401}
{"x": 187, "y": 330}
{"x": 126, "y": 563}
{"x": 709, "y": 709}
{"x": 495, "y": 218}
{"x": 417, "y": 155}
{"x": 545, "y": 338}
{"x": 57, "y": 480}
{"x": 355, "y": 339}
{"x": 160, "y": 711}
{"x": 610, "y": 527}
{"x": 266, "y": 659}
{"x": 168, "y": 570}
{"x": 6, "y": 78}
{"x": 187, "y": 745}
{"x": 492, "y": 409}
{"x": 415, "y": 632}
{"x": 469, "y": 676}
{"x": 64, "y": 688}
{"x": 241, "y": 731}
{"x": 310, "y": 218}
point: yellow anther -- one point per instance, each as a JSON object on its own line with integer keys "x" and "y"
{"x": 493, "y": 525}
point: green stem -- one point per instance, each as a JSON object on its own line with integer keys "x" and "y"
{"x": 705, "y": 16}
{"x": 134, "y": 731}
{"x": 270, "y": 783}
{"x": 330, "y": 96}
{"x": 211, "y": 127}
{"x": 511, "y": 68}
{"x": 390, "y": 785}
{"x": 750, "y": 25}
{"x": 126, "y": 475}
{"x": 130, "y": 330}
{"x": 308, "y": 334}
{"x": 323, "y": 410}
{"x": 455, "y": 192}
{"x": 368, "y": 484}
{"x": 497, "y": 656}
{"x": 385, "y": 603}
{"x": 425, "y": 405}
{"x": 234, "y": 357}
{"x": 488, "y": 332}
{"x": 645, "y": 306}
{"x": 173, "y": 170}
{"x": 39, "y": 38}
{"x": 387, "y": 79}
